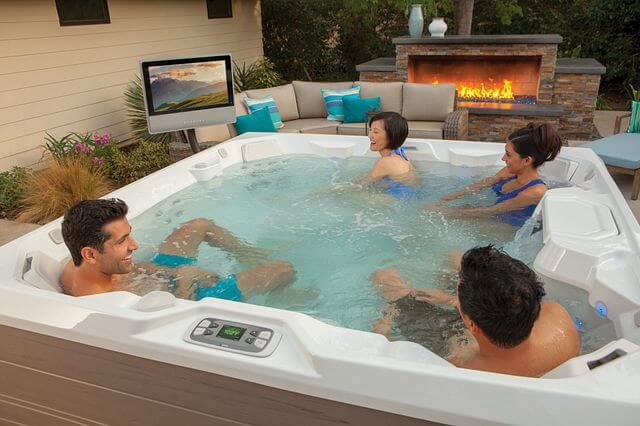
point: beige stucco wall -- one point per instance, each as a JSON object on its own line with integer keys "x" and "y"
{"x": 59, "y": 79}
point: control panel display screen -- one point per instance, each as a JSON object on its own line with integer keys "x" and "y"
{"x": 230, "y": 332}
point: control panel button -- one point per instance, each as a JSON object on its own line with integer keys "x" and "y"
{"x": 204, "y": 323}
{"x": 249, "y": 340}
{"x": 214, "y": 325}
{"x": 198, "y": 331}
{"x": 254, "y": 333}
{"x": 265, "y": 335}
{"x": 207, "y": 332}
{"x": 260, "y": 343}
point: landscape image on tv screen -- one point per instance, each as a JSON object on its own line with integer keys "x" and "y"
{"x": 184, "y": 87}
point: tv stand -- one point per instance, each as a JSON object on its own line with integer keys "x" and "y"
{"x": 190, "y": 134}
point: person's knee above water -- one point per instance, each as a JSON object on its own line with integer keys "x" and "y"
{"x": 500, "y": 301}
{"x": 518, "y": 186}
{"x": 387, "y": 133}
{"x": 98, "y": 236}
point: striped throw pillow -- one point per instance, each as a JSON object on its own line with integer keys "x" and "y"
{"x": 256, "y": 104}
{"x": 333, "y": 101}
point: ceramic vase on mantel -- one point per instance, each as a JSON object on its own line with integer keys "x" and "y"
{"x": 437, "y": 27}
{"x": 416, "y": 21}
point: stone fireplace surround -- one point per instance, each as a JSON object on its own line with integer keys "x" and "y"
{"x": 567, "y": 91}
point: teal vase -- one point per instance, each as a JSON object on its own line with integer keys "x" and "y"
{"x": 416, "y": 21}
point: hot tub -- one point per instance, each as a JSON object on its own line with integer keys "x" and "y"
{"x": 115, "y": 356}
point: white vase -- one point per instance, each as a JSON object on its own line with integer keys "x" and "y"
{"x": 416, "y": 21}
{"x": 437, "y": 27}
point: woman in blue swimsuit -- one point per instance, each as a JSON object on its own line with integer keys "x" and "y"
{"x": 387, "y": 133}
{"x": 518, "y": 186}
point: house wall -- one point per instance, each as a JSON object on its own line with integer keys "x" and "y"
{"x": 60, "y": 79}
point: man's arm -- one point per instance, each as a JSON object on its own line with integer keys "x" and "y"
{"x": 385, "y": 323}
{"x": 435, "y": 296}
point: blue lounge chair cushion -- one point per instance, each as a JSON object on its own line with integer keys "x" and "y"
{"x": 621, "y": 150}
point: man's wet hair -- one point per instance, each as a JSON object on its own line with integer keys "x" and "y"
{"x": 395, "y": 126}
{"x": 83, "y": 224}
{"x": 500, "y": 294}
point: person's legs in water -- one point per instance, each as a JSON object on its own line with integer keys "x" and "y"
{"x": 192, "y": 282}
{"x": 185, "y": 240}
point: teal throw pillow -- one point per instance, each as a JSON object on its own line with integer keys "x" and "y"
{"x": 259, "y": 121}
{"x": 355, "y": 108}
{"x": 333, "y": 101}
{"x": 254, "y": 105}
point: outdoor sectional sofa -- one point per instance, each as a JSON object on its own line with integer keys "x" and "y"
{"x": 429, "y": 108}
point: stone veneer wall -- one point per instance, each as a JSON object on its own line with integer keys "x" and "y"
{"x": 577, "y": 93}
{"x": 496, "y": 128}
{"x": 547, "y": 53}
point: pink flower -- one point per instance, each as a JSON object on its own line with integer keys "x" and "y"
{"x": 101, "y": 140}
{"x": 99, "y": 161}
{"x": 83, "y": 148}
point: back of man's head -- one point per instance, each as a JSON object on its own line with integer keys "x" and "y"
{"x": 83, "y": 225}
{"x": 500, "y": 294}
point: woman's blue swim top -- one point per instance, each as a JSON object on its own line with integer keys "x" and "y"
{"x": 520, "y": 216}
{"x": 397, "y": 189}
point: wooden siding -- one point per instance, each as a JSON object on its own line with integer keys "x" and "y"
{"x": 50, "y": 381}
{"x": 60, "y": 79}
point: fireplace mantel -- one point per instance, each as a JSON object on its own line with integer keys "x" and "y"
{"x": 482, "y": 39}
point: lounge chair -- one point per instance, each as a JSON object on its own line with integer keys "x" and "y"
{"x": 621, "y": 153}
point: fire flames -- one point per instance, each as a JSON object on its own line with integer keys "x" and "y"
{"x": 482, "y": 92}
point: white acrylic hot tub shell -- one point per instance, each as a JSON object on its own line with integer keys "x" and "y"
{"x": 593, "y": 244}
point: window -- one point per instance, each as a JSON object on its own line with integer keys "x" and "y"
{"x": 219, "y": 9}
{"x": 82, "y": 12}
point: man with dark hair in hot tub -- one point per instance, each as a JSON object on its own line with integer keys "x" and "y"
{"x": 98, "y": 236}
{"x": 499, "y": 299}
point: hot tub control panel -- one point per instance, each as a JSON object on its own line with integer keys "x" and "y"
{"x": 233, "y": 336}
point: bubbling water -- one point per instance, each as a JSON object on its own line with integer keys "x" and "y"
{"x": 306, "y": 210}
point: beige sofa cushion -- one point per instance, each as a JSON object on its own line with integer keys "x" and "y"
{"x": 426, "y": 129}
{"x": 390, "y": 94}
{"x": 285, "y": 99}
{"x": 427, "y": 102}
{"x": 311, "y": 125}
{"x": 309, "y": 98}
{"x": 352, "y": 129}
{"x": 241, "y": 108}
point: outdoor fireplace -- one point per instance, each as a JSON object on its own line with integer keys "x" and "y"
{"x": 501, "y": 79}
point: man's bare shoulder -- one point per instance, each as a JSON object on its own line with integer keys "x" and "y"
{"x": 66, "y": 277}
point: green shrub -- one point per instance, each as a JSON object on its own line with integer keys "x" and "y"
{"x": 145, "y": 158}
{"x": 11, "y": 191}
{"x": 259, "y": 75}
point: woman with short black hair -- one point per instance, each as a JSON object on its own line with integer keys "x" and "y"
{"x": 387, "y": 133}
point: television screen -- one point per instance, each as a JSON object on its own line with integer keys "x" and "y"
{"x": 188, "y": 92}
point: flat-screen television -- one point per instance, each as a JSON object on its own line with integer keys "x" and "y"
{"x": 185, "y": 93}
